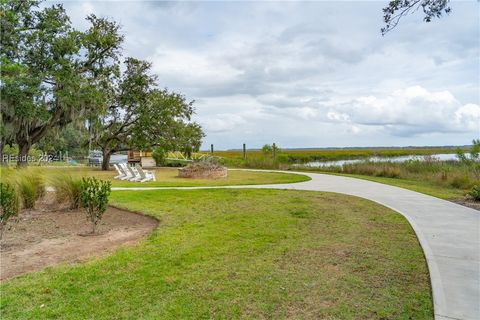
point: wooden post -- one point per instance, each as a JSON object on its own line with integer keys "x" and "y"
{"x": 211, "y": 148}
{"x": 244, "y": 151}
{"x": 274, "y": 147}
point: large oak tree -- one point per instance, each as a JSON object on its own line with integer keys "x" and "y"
{"x": 139, "y": 115}
{"x": 50, "y": 72}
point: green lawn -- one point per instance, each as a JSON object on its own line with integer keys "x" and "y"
{"x": 167, "y": 177}
{"x": 241, "y": 254}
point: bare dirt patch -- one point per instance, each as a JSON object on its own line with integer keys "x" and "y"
{"x": 45, "y": 238}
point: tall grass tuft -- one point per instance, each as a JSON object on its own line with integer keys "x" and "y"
{"x": 67, "y": 189}
{"x": 30, "y": 186}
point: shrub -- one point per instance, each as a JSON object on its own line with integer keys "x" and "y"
{"x": 159, "y": 156}
{"x": 461, "y": 182}
{"x": 31, "y": 187}
{"x": 475, "y": 192}
{"x": 267, "y": 149}
{"x": 67, "y": 190}
{"x": 8, "y": 205}
{"x": 94, "y": 199}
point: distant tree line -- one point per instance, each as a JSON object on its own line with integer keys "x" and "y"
{"x": 61, "y": 85}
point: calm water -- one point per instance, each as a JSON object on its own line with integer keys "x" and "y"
{"x": 441, "y": 156}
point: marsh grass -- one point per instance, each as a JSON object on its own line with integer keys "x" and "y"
{"x": 291, "y": 156}
{"x": 450, "y": 174}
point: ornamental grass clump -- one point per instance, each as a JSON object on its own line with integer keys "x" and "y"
{"x": 30, "y": 186}
{"x": 67, "y": 190}
{"x": 94, "y": 199}
{"x": 9, "y": 205}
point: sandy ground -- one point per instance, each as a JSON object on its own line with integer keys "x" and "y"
{"x": 43, "y": 238}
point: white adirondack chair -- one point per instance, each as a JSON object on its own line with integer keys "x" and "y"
{"x": 128, "y": 173}
{"x": 145, "y": 175}
{"x": 121, "y": 174}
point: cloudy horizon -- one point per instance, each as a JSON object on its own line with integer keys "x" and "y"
{"x": 309, "y": 74}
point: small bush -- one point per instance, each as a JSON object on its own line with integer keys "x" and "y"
{"x": 267, "y": 149}
{"x": 9, "y": 205}
{"x": 94, "y": 199}
{"x": 475, "y": 192}
{"x": 67, "y": 190}
{"x": 159, "y": 156}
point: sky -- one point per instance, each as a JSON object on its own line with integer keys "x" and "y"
{"x": 309, "y": 74}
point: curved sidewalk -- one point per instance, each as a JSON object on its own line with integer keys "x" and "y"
{"x": 448, "y": 233}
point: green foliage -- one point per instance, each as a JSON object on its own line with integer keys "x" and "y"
{"x": 94, "y": 198}
{"x": 473, "y": 159}
{"x": 267, "y": 149}
{"x": 72, "y": 139}
{"x": 67, "y": 189}
{"x": 397, "y": 9}
{"x": 10, "y": 150}
{"x": 187, "y": 138}
{"x": 51, "y": 72}
{"x": 9, "y": 205}
{"x": 283, "y": 158}
{"x": 142, "y": 116}
{"x": 159, "y": 156}
{"x": 475, "y": 193}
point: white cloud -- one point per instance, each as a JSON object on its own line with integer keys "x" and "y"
{"x": 410, "y": 111}
{"x": 222, "y": 122}
{"x": 309, "y": 73}
{"x": 192, "y": 67}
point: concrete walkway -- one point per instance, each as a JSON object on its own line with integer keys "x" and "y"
{"x": 448, "y": 233}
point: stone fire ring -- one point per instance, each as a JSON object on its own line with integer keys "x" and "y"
{"x": 215, "y": 173}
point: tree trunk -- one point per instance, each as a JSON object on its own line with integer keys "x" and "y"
{"x": 23, "y": 149}
{"x": 106, "y": 159}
